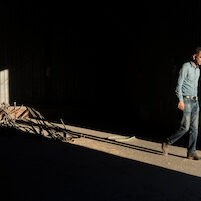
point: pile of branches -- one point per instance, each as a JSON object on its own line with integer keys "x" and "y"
{"x": 37, "y": 124}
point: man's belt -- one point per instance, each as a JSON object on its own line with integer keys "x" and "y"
{"x": 191, "y": 97}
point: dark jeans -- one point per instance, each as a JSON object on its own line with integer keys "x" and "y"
{"x": 189, "y": 122}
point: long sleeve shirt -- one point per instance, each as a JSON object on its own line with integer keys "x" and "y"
{"x": 188, "y": 81}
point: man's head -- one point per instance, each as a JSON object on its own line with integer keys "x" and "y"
{"x": 197, "y": 56}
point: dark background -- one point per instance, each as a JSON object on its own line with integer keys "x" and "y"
{"x": 105, "y": 66}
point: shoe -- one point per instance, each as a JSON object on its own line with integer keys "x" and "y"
{"x": 193, "y": 156}
{"x": 164, "y": 148}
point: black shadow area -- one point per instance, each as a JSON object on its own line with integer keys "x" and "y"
{"x": 39, "y": 169}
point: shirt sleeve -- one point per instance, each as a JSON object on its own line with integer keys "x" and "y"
{"x": 182, "y": 75}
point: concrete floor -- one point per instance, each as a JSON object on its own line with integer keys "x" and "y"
{"x": 144, "y": 151}
{"x": 38, "y": 168}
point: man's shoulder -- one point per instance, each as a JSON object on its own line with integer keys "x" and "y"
{"x": 186, "y": 64}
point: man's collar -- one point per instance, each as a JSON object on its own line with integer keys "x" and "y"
{"x": 191, "y": 62}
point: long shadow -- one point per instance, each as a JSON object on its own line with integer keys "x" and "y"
{"x": 102, "y": 139}
{"x": 142, "y": 131}
{"x": 34, "y": 168}
{"x": 154, "y": 135}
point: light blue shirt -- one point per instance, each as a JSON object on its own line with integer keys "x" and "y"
{"x": 187, "y": 84}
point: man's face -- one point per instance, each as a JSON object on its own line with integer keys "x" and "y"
{"x": 198, "y": 58}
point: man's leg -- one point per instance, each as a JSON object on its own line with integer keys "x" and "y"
{"x": 194, "y": 132}
{"x": 183, "y": 129}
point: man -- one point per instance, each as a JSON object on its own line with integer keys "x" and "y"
{"x": 186, "y": 91}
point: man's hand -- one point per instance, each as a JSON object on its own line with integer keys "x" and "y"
{"x": 181, "y": 105}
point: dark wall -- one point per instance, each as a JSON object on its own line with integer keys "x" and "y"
{"x": 106, "y": 65}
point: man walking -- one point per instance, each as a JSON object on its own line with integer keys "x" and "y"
{"x": 187, "y": 93}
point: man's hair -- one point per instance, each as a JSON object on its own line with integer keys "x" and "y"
{"x": 197, "y": 50}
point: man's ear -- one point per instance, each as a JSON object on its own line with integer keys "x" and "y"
{"x": 194, "y": 56}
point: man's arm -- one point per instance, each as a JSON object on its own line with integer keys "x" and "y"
{"x": 182, "y": 75}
